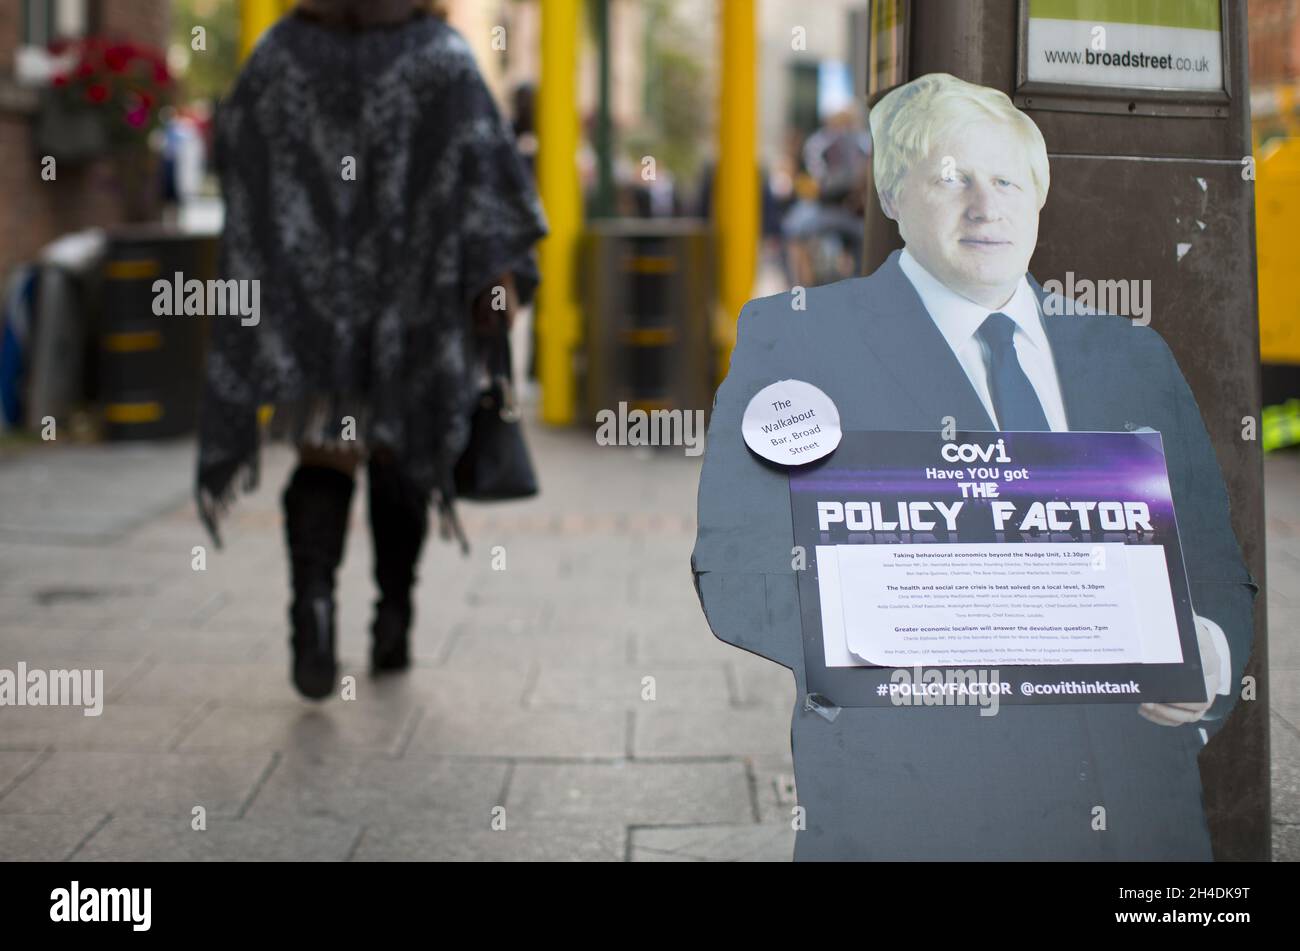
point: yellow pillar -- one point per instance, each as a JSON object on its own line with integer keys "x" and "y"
{"x": 255, "y": 16}
{"x": 558, "y": 316}
{"x": 736, "y": 187}
{"x": 1277, "y": 203}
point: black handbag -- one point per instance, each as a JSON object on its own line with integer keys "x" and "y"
{"x": 495, "y": 465}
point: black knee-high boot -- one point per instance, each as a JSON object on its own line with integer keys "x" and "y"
{"x": 399, "y": 520}
{"x": 316, "y": 504}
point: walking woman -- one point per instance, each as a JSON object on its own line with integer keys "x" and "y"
{"x": 375, "y": 193}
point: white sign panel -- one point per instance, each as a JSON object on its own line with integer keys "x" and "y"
{"x": 1097, "y": 43}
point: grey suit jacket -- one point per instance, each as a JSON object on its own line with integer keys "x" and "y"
{"x": 942, "y": 782}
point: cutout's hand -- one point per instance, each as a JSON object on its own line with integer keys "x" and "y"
{"x": 1177, "y": 714}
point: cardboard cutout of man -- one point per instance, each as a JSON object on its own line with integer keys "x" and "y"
{"x": 954, "y": 327}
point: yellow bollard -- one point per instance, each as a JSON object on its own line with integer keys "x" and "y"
{"x": 736, "y": 186}
{"x": 558, "y": 316}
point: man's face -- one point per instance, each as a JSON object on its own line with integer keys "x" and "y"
{"x": 968, "y": 213}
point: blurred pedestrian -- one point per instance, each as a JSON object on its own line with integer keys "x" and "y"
{"x": 374, "y": 191}
{"x": 824, "y": 229}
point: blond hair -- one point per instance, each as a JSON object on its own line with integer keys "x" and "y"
{"x": 906, "y": 121}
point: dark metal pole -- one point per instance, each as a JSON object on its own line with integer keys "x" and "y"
{"x": 603, "y": 206}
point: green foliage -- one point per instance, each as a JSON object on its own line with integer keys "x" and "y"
{"x": 1281, "y": 426}
{"x": 208, "y": 73}
{"x": 677, "y": 94}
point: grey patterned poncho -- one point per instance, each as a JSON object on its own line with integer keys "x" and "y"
{"x": 374, "y": 191}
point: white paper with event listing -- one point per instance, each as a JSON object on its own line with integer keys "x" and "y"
{"x": 980, "y": 605}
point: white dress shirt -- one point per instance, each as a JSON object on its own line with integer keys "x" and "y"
{"x": 959, "y": 319}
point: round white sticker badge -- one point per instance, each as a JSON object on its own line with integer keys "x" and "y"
{"x": 791, "y": 422}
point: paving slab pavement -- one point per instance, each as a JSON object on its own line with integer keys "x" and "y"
{"x": 572, "y": 706}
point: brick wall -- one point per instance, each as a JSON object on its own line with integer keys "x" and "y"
{"x": 1274, "y": 34}
{"x": 34, "y": 212}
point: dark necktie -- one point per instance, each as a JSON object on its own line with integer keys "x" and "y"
{"x": 1013, "y": 395}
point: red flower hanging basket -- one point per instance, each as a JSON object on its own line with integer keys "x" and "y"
{"x": 108, "y": 97}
